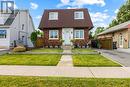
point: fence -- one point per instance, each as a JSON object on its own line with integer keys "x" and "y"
{"x": 39, "y": 42}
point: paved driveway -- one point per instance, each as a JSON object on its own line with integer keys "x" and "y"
{"x": 121, "y": 57}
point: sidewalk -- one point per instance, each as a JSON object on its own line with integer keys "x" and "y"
{"x": 53, "y": 71}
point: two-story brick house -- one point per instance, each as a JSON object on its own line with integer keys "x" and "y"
{"x": 66, "y": 24}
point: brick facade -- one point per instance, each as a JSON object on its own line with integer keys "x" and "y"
{"x": 56, "y": 42}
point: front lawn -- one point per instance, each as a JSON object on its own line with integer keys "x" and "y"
{"x": 83, "y": 50}
{"x": 15, "y": 81}
{"x": 45, "y": 60}
{"x": 47, "y": 50}
{"x": 93, "y": 61}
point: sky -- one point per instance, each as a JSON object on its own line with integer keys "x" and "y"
{"x": 101, "y": 11}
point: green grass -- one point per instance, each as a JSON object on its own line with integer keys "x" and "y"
{"x": 93, "y": 61}
{"x": 45, "y": 60}
{"x": 82, "y": 50}
{"x": 15, "y": 81}
{"x": 47, "y": 50}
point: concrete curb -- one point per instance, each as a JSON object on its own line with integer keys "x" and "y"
{"x": 52, "y": 53}
{"x": 4, "y": 52}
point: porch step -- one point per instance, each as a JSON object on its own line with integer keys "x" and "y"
{"x": 67, "y": 47}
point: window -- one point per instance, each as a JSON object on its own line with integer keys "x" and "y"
{"x": 3, "y": 33}
{"x": 53, "y": 34}
{"x": 22, "y": 26}
{"x": 79, "y": 15}
{"x": 79, "y": 34}
{"x": 53, "y": 15}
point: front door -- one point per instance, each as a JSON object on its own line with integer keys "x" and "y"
{"x": 121, "y": 41}
{"x": 67, "y": 35}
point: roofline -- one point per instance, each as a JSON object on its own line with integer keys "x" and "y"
{"x": 66, "y": 9}
{"x": 112, "y": 31}
{"x": 112, "y": 28}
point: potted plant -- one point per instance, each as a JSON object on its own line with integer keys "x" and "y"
{"x": 74, "y": 43}
{"x": 61, "y": 42}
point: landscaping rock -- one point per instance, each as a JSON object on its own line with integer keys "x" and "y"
{"x": 19, "y": 49}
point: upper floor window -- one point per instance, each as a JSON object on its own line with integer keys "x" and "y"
{"x": 22, "y": 26}
{"x": 53, "y": 15}
{"x": 79, "y": 15}
{"x": 3, "y": 34}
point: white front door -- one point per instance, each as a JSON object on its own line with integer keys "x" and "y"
{"x": 121, "y": 41}
{"x": 67, "y": 35}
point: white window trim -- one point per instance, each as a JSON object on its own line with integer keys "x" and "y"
{"x": 79, "y": 35}
{"x": 79, "y": 12}
{"x": 54, "y": 38}
{"x": 55, "y": 15}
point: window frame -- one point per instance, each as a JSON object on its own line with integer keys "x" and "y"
{"x": 53, "y": 37}
{"x": 22, "y": 26}
{"x": 79, "y": 34}
{"x": 53, "y": 15}
{"x": 79, "y": 13}
{"x": 4, "y": 35}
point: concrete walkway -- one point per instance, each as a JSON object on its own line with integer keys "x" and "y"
{"x": 86, "y": 72}
{"x": 66, "y": 60}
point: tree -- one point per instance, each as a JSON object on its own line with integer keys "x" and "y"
{"x": 114, "y": 22}
{"x": 39, "y": 32}
{"x": 90, "y": 35}
{"x": 98, "y": 30}
{"x": 123, "y": 15}
{"x": 34, "y": 37}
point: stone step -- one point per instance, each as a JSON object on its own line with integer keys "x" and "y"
{"x": 67, "y": 47}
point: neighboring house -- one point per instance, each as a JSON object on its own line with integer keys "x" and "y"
{"x": 16, "y": 29}
{"x": 118, "y": 35}
{"x": 66, "y": 24}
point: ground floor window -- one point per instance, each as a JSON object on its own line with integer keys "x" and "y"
{"x": 3, "y": 33}
{"x": 79, "y": 34}
{"x": 53, "y": 34}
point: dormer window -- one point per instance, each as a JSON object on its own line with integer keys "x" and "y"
{"x": 53, "y": 15}
{"x": 79, "y": 15}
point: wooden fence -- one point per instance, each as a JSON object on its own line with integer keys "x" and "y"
{"x": 39, "y": 42}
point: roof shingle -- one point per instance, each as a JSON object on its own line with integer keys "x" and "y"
{"x": 65, "y": 19}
